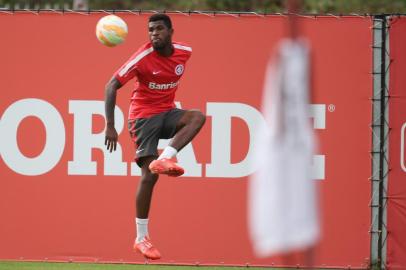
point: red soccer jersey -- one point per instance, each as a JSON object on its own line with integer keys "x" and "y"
{"x": 157, "y": 79}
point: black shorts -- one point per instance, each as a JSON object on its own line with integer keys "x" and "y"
{"x": 146, "y": 132}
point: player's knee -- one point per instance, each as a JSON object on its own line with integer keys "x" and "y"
{"x": 198, "y": 118}
{"x": 149, "y": 179}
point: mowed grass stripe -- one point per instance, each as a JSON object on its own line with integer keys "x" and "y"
{"x": 103, "y": 266}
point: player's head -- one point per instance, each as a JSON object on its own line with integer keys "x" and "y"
{"x": 160, "y": 30}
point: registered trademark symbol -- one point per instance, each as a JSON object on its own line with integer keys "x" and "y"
{"x": 331, "y": 108}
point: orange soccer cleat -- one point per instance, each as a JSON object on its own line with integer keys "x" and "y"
{"x": 166, "y": 166}
{"x": 146, "y": 248}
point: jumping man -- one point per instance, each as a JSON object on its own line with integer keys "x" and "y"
{"x": 158, "y": 67}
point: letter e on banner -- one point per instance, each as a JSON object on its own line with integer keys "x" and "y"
{"x": 402, "y": 147}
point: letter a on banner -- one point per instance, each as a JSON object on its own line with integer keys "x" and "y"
{"x": 282, "y": 197}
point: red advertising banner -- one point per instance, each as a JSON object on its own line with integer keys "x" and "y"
{"x": 63, "y": 197}
{"x": 396, "y": 209}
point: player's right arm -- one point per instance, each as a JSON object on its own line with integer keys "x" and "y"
{"x": 125, "y": 73}
{"x": 110, "y": 102}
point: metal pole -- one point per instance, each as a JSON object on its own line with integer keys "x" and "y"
{"x": 380, "y": 131}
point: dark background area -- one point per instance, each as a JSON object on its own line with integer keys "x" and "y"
{"x": 261, "y": 6}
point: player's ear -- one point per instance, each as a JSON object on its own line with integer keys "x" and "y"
{"x": 171, "y": 31}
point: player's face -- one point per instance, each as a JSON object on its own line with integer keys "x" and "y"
{"x": 159, "y": 34}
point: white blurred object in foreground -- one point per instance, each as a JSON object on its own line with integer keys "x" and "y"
{"x": 282, "y": 197}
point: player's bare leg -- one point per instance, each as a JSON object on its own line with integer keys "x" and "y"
{"x": 145, "y": 188}
{"x": 143, "y": 201}
{"x": 187, "y": 128}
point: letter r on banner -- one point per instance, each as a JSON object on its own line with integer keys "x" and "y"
{"x": 84, "y": 140}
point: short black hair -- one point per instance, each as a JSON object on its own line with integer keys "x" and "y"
{"x": 161, "y": 17}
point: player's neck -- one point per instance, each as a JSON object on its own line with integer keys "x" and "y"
{"x": 166, "y": 51}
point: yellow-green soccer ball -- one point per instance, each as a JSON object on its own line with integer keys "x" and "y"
{"x": 111, "y": 30}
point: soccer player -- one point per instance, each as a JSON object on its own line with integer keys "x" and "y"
{"x": 158, "y": 67}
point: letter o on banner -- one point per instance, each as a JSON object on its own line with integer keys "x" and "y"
{"x": 55, "y": 137}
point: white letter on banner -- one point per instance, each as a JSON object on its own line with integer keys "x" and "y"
{"x": 318, "y": 113}
{"x": 402, "y": 147}
{"x": 85, "y": 141}
{"x": 55, "y": 137}
{"x": 222, "y": 113}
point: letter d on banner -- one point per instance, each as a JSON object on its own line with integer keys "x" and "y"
{"x": 222, "y": 113}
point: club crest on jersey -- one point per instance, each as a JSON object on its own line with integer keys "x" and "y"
{"x": 179, "y": 69}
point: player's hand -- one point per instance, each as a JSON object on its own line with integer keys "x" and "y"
{"x": 111, "y": 138}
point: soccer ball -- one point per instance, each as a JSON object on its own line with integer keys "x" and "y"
{"x": 111, "y": 30}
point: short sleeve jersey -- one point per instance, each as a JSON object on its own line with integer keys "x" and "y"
{"x": 157, "y": 79}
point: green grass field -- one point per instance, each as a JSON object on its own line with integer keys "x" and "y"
{"x": 90, "y": 266}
